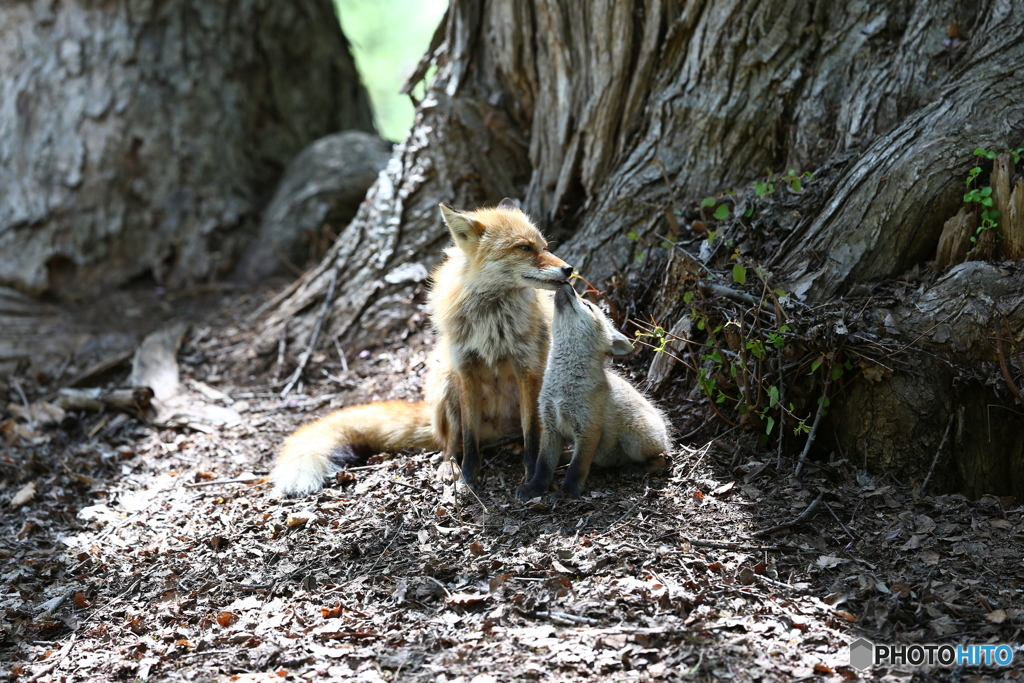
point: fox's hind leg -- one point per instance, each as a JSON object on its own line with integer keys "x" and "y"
{"x": 584, "y": 447}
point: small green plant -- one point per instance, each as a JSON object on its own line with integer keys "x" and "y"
{"x": 790, "y": 177}
{"x": 722, "y": 210}
{"x": 982, "y": 196}
{"x": 765, "y": 188}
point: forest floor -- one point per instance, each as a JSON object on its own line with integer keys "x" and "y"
{"x": 132, "y": 552}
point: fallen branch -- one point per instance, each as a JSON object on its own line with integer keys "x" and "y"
{"x": 814, "y": 427}
{"x": 214, "y": 482}
{"x": 328, "y": 300}
{"x": 566, "y": 619}
{"x": 134, "y": 399}
{"x": 938, "y": 452}
{"x": 802, "y": 517}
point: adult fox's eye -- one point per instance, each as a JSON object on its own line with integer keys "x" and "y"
{"x": 526, "y": 247}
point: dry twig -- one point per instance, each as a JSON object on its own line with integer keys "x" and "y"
{"x": 938, "y": 452}
{"x": 328, "y": 300}
{"x": 802, "y": 517}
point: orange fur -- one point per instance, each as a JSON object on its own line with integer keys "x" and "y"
{"x": 312, "y": 451}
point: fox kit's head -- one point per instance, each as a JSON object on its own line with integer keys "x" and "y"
{"x": 504, "y": 249}
{"x": 578, "y": 319}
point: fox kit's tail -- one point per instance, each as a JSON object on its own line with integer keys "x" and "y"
{"x": 317, "y": 450}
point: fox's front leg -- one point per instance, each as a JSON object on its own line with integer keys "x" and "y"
{"x": 544, "y": 472}
{"x": 529, "y": 390}
{"x": 469, "y": 412}
{"x": 584, "y": 448}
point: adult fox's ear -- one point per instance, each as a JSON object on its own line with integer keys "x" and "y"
{"x": 507, "y": 203}
{"x": 465, "y": 229}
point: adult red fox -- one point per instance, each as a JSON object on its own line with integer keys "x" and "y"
{"x": 493, "y": 329}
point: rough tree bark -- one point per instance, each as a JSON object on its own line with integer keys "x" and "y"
{"x": 607, "y": 117}
{"x": 144, "y": 137}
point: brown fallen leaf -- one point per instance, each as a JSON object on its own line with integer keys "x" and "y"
{"x": 467, "y": 598}
{"x": 746, "y": 576}
{"x": 996, "y": 616}
{"x": 477, "y": 548}
{"x": 24, "y": 495}
{"x": 300, "y": 518}
{"x": 724, "y": 488}
{"x": 14, "y": 430}
{"x": 498, "y": 581}
{"x": 226, "y": 618}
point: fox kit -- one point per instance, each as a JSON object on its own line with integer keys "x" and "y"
{"x": 609, "y": 422}
{"x": 493, "y": 329}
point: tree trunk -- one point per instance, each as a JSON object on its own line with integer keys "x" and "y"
{"x": 612, "y": 119}
{"x": 143, "y": 138}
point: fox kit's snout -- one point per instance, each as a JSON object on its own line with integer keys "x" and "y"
{"x": 609, "y": 422}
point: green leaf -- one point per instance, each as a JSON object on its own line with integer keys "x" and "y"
{"x": 722, "y": 212}
{"x": 708, "y": 201}
{"x": 639, "y": 257}
{"x": 796, "y": 185}
{"x": 688, "y": 297}
{"x": 739, "y": 273}
{"x": 771, "y": 423}
{"x": 773, "y": 396}
{"x": 749, "y": 212}
{"x": 633, "y": 235}
{"x": 815, "y": 365}
{"x": 823, "y": 401}
{"x": 837, "y": 372}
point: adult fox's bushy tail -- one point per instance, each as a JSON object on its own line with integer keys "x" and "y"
{"x": 319, "y": 449}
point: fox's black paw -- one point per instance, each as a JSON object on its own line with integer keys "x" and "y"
{"x": 572, "y": 488}
{"x": 530, "y": 490}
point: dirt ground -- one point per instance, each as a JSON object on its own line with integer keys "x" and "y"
{"x": 134, "y": 552}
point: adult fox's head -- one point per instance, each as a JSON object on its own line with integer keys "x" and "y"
{"x": 581, "y": 324}
{"x": 503, "y": 248}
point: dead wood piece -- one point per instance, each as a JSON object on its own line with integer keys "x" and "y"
{"x": 155, "y": 364}
{"x": 802, "y": 517}
{"x": 1013, "y": 223}
{"x": 1002, "y": 173}
{"x": 130, "y": 399}
{"x": 662, "y": 364}
{"x": 955, "y": 241}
